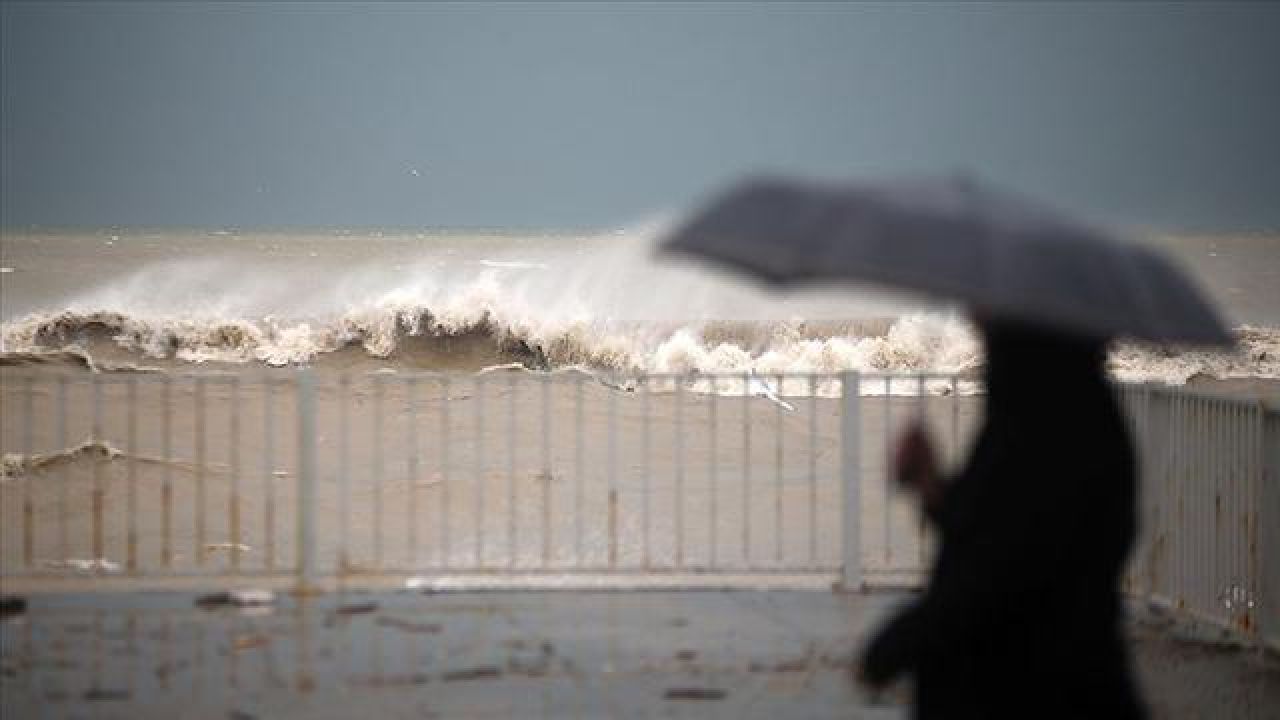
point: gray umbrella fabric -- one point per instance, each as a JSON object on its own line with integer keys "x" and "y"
{"x": 1001, "y": 254}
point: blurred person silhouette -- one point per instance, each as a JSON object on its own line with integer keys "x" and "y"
{"x": 1022, "y": 613}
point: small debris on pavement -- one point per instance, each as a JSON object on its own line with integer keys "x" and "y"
{"x": 529, "y": 663}
{"x": 106, "y": 695}
{"x": 484, "y": 672}
{"x": 694, "y": 693}
{"x": 236, "y": 598}
{"x": 782, "y": 666}
{"x": 361, "y": 608}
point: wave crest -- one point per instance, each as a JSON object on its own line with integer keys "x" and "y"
{"x": 399, "y": 333}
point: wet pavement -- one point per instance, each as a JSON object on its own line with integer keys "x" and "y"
{"x": 533, "y": 654}
{"x": 488, "y": 654}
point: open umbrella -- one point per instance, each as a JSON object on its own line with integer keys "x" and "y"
{"x": 998, "y": 252}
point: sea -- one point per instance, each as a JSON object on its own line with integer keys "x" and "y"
{"x": 346, "y": 299}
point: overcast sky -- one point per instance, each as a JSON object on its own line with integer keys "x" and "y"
{"x": 576, "y": 115}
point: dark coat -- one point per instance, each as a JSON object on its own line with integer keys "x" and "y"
{"x": 1022, "y": 614}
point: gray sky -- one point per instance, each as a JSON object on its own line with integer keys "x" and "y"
{"x": 571, "y": 115}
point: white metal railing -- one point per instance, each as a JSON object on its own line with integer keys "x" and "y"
{"x": 1268, "y": 608}
{"x": 423, "y": 474}
{"x": 402, "y": 474}
{"x": 556, "y": 478}
{"x": 114, "y": 473}
{"x": 1208, "y": 546}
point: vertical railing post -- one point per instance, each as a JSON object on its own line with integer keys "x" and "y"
{"x": 612, "y": 474}
{"x": 1267, "y": 499}
{"x": 1256, "y": 605}
{"x": 851, "y": 476}
{"x": 306, "y": 494}
{"x": 1153, "y": 440}
{"x": 28, "y": 508}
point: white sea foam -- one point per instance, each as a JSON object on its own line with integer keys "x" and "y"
{"x": 387, "y": 330}
{"x": 604, "y": 306}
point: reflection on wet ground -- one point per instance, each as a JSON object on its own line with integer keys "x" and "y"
{"x": 542, "y": 654}
{"x": 539, "y": 654}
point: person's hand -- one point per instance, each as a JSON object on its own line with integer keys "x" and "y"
{"x": 916, "y": 466}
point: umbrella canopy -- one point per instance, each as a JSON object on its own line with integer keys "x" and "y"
{"x": 1001, "y": 254}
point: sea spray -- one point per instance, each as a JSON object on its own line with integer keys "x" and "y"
{"x": 596, "y": 302}
{"x": 400, "y": 334}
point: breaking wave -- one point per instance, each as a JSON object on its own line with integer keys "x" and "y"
{"x": 599, "y": 304}
{"x": 414, "y": 336}
{"x": 411, "y": 336}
